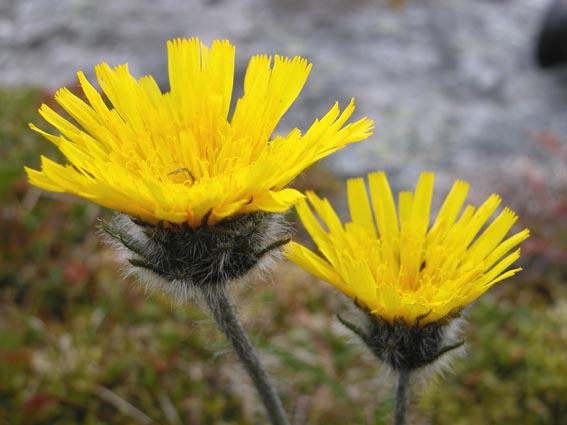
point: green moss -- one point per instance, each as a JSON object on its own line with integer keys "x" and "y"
{"x": 73, "y": 331}
{"x": 514, "y": 372}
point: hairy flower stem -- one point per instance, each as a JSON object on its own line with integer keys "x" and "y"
{"x": 225, "y": 316}
{"x": 402, "y": 397}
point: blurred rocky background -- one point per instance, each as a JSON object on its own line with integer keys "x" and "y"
{"x": 453, "y": 85}
{"x": 471, "y": 89}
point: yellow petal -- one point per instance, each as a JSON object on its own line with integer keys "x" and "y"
{"x": 359, "y": 206}
{"x": 405, "y": 272}
{"x": 175, "y": 156}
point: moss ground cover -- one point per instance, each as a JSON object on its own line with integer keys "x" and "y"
{"x": 78, "y": 344}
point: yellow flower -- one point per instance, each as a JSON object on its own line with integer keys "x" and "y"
{"x": 175, "y": 156}
{"x": 397, "y": 266}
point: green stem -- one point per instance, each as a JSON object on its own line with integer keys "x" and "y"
{"x": 225, "y": 316}
{"x": 402, "y": 397}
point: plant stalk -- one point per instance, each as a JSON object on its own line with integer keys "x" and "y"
{"x": 403, "y": 388}
{"x": 225, "y": 316}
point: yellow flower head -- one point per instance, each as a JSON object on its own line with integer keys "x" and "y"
{"x": 397, "y": 266}
{"x": 175, "y": 156}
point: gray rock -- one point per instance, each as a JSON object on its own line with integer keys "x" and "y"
{"x": 450, "y": 83}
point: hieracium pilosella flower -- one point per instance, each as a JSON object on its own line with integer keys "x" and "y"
{"x": 202, "y": 195}
{"x": 412, "y": 279}
{"x": 205, "y": 192}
